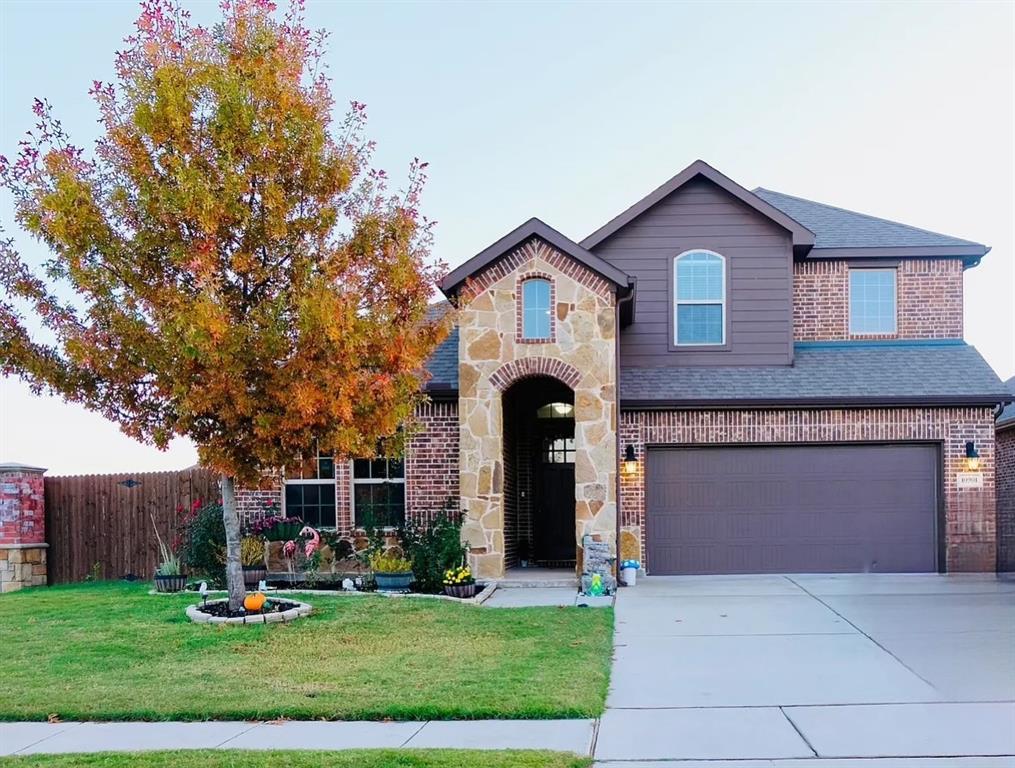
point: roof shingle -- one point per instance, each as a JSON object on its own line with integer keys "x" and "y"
{"x": 840, "y": 228}
{"x": 828, "y": 373}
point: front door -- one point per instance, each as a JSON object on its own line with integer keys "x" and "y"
{"x": 553, "y": 521}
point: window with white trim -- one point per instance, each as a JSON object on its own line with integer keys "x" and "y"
{"x": 536, "y": 309}
{"x": 310, "y": 493}
{"x": 872, "y": 301}
{"x": 378, "y": 492}
{"x": 699, "y": 306}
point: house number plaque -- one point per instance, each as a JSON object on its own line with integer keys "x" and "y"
{"x": 969, "y": 480}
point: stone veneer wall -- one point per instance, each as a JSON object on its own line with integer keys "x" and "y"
{"x": 581, "y": 354}
{"x": 1005, "y": 479}
{"x": 22, "y": 527}
{"x": 929, "y": 302}
{"x": 970, "y": 521}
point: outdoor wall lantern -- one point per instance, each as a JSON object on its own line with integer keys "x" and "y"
{"x": 630, "y": 460}
{"x": 972, "y": 457}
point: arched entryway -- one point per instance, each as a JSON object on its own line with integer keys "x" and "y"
{"x": 539, "y": 473}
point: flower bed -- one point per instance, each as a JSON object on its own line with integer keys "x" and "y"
{"x": 274, "y": 610}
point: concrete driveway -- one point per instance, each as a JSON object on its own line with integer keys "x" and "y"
{"x": 806, "y": 669}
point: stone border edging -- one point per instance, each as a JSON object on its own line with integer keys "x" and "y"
{"x": 195, "y": 614}
{"x": 481, "y": 597}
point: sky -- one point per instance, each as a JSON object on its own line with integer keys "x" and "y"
{"x": 571, "y": 112}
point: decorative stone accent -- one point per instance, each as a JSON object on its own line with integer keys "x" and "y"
{"x": 22, "y": 527}
{"x": 597, "y": 560}
{"x": 195, "y": 614}
{"x": 580, "y": 353}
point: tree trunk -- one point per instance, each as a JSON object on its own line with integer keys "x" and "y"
{"x": 234, "y": 569}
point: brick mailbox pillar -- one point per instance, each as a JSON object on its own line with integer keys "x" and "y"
{"x": 22, "y": 527}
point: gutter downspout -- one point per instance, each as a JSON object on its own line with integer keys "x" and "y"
{"x": 628, "y": 298}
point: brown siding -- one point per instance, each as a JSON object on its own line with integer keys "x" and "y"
{"x": 759, "y": 261}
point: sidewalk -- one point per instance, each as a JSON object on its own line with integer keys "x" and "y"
{"x": 40, "y": 738}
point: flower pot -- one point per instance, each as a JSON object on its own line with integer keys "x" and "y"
{"x": 629, "y": 576}
{"x": 175, "y": 583}
{"x": 461, "y": 590}
{"x": 253, "y": 575}
{"x": 393, "y": 582}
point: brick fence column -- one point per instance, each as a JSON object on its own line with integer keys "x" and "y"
{"x": 22, "y": 527}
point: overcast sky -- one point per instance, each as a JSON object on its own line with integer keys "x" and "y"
{"x": 571, "y": 112}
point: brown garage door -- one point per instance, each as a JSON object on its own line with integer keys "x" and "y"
{"x": 799, "y": 509}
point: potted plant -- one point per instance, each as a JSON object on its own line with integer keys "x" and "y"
{"x": 458, "y": 582}
{"x": 252, "y": 559}
{"x": 393, "y": 573}
{"x": 169, "y": 576}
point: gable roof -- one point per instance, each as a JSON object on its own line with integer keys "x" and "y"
{"x": 803, "y": 238}
{"x": 840, "y": 231}
{"x": 518, "y": 236}
{"x": 1007, "y": 417}
{"x": 945, "y": 372}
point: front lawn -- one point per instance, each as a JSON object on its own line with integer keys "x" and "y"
{"x": 113, "y": 652}
{"x": 403, "y": 758}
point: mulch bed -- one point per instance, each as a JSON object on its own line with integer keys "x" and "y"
{"x": 221, "y": 609}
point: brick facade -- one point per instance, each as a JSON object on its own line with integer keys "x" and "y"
{"x": 431, "y": 460}
{"x": 970, "y": 525}
{"x": 1005, "y": 479}
{"x": 431, "y": 472}
{"x": 929, "y": 304}
{"x": 22, "y": 527}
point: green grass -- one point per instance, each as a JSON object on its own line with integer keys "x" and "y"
{"x": 113, "y": 652}
{"x": 359, "y": 758}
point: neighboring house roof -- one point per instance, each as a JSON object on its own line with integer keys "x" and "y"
{"x": 803, "y": 237}
{"x": 828, "y": 373}
{"x": 839, "y": 231}
{"x": 533, "y": 228}
{"x": 1007, "y": 417}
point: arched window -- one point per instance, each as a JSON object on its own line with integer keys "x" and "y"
{"x": 536, "y": 308}
{"x": 699, "y": 291}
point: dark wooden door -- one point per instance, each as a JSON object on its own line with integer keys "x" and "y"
{"x": 792, "y": 509}
{"x": 554, "y": 508}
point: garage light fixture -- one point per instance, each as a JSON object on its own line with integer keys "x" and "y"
{"x": 630, "y": 460}
{"x": 972, "y": 457}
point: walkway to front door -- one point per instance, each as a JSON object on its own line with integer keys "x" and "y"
{"x": 790, "y": 667}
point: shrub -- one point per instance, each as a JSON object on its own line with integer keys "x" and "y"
{"x": 382, "y": 563}
{"x": 277, "y": 528}
{"x": 251, "y": 551}
{"x": 434, "y": 548}
{"x": 203, "y": 542}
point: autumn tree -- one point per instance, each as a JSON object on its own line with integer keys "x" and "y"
{"x": 225, "y": 264}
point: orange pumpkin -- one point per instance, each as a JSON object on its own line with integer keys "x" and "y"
{"x": 254, "y": 602}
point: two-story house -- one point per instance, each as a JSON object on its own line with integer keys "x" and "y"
{"x": 716, "y": 381}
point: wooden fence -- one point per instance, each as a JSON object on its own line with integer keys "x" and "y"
{"x": 102, "y": 522}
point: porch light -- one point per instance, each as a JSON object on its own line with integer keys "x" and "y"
{"x": 972, "y": 457}
{"x": 630, "y": 460}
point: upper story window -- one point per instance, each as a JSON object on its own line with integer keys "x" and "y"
{"x": 378, "y": 492}
{"x": 699, "y": 289}
{"x": 872, "y": 301}
{"x": 310, "y": 495}
{"x": 536, "y": 309}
